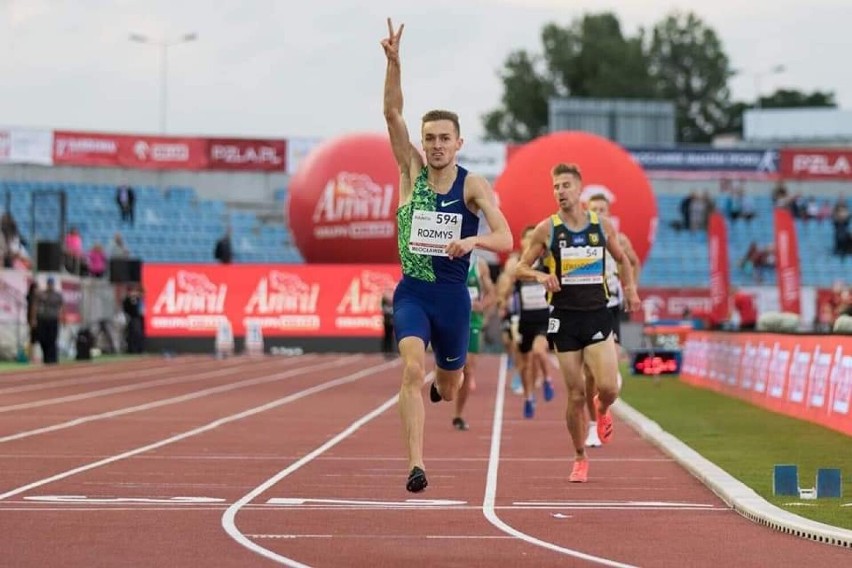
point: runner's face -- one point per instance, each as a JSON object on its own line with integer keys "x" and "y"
{"x": 600, "y": 207}
{"x": 441, "y": 142}
{"x": 566, "y": 190}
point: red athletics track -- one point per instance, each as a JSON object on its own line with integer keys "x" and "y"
{"x": 258, "y": 462}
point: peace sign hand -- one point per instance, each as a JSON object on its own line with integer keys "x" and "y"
{"x": 391, "y": 43}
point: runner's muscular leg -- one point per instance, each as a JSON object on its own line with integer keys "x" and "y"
{"x": 602, "y": 360}
{"x": 571, "y": 365}
{"x": 413, "y": 354}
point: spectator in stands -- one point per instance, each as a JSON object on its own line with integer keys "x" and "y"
{"x": 74, "y": 254}
{"x": 685, "y": 208}
{"x": 840, "y": 219}
{"x": 734, "y": 204}
{"x": 117, "y": 249}
{"x": 9, "y": 236}
{"x": 126, "y": 199}
{"x": 757, "y": 260}
{"x": 700, "y": 208}
{"x": 224, "y": 252}
{"x": 96, "y": 261}
{"x": 749, "y": 209}
{"x": 49, "y": 312}
{"x": 780, "y": 195}
{"x": 746, "y": 309}
{"x": 133, "y": 308}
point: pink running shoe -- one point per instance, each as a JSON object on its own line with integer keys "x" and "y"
{"x": 580, "y": 472}
{"x": 604, "y": 425}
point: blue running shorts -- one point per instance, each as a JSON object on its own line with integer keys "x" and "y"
{"x": 436, "y": 312}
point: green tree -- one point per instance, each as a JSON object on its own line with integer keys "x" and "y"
{"x": 690, "y": 67}
{"x": 589, "y": 58}
{"x": 791, "y": 98}
{"x": 523, "y": 115}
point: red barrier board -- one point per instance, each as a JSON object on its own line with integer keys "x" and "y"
{"x": 803, "y": 376}
{"x": 286, "y": 300}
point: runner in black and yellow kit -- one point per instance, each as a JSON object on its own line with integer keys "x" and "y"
{"x": 580, "y": 325}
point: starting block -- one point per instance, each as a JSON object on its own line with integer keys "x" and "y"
{"x": 785, "y": 481}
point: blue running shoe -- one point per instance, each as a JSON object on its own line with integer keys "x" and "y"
{"x": 517, "y": 385}
{"x": 529, "y": 408}
{"x": 548, "y": 389}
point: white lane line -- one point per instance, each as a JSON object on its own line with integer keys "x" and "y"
{"x": 381, "y": 537}
{"x": 115, "y": 390}
{"x": 489, "y": 502}
{"x": 202, "y": 429}
{"x": 229, "y": 518}
{"x": 174, "y": 400}
{"x": 107, "y": 375}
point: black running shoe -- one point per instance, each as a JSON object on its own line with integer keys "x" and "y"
{"x": 416, "y": 480}
{"x": 459, "y": 423}
{"x": 434, "y": 395}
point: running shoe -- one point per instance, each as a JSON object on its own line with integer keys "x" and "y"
{"x": 517, "y": 385}
{"x": 580, "y": 472}
{"x": 592, "y": 439}
{"x": 604, "y": 426}
{"x": 416, "y": 480}
{"x": 460, "y": 424}
{"x": 547, "y": 387}
{"x": 529, "y": 408}
{"x": 434, "y": 395}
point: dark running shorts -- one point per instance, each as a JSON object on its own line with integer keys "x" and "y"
{"x": 437, "y": 313}
{"x": 572, "y": 330}
{"x": 528, "y": 331}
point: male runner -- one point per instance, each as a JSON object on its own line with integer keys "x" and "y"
{"x": 580, "y": 324}
{"x": 437, "y": 222}
{"x": 599, "y": 204}
{"x": 480, "y": 287}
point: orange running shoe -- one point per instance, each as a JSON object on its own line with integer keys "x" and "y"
{"x": 580, "y": 472}
{"x": 604, "y": 425}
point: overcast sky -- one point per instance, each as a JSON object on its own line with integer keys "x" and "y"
{"x": 279, "y": 68}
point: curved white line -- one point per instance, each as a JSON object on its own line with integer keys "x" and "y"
{"x": 228, "y": 518}
{"x": 491, "y": 486}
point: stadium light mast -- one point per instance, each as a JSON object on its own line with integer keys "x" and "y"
{"x": 163, "y": 46}
{"x": 775, "y": 70}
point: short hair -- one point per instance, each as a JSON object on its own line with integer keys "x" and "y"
{"x": 438, "y": 114}
{"x": 563, "y": 168}
{"x": 599, "y": 197}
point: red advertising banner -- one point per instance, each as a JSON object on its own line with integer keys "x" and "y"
{"x": 720, "y": 278}
{"x": 144, "y": 152}
{"x": 806, "y": 377}
{"x": 816, "y": 163}
{"x": 246, "y": 155}
{"x": 787, "y": 261}
{"x": 286, "y": 300}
